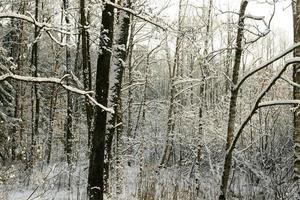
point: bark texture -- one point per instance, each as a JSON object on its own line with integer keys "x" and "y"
{"x": 96, "y": 168}
{"x": 116, "y": 78}
{"x": 86, "y": 66}
{"x": 296, "y": 93}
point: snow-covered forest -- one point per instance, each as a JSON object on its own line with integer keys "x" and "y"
{"x": 149, "y": 99}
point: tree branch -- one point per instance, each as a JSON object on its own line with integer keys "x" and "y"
{"x": 134, "y": 13}
{"x": 266, "y": 64}
{"x": 258, "y": 99}
{"x": 278, "y": 103}
{"x": 58, "y": 81}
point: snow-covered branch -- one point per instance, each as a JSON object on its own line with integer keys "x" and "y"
{"x": 42, "y": 25}
{"x": 278, "y": 103}
{"x": 134, "y": 13}
{"x": 266, "y": 64}
{"x": 30, "y": 19}
{"x": 258, "y": 105}
{"x": 58, "y": 81}
{"x": 249, "y": 16}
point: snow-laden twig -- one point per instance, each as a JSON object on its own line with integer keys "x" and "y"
{"x": 58, "y": 81}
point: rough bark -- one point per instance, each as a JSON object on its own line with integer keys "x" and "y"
{"x": 296, "y": 94}
{"x": 130, "y": 79}
{"x": 69, "y": 134}
{"x": 96, "y": 168}
{"x": 86, "y": 66}
{"x": 116, "y": 78}
{"x": 35, "y": 100}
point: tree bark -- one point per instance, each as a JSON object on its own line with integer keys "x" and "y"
{"x": 233, "y": 98}
{"x": 35, "y": 100}
{"x": 69, "y": 134}
{"x": 296, "y": 94}
{"x": 97, "y": 156}
{"x": 116, "y": 76}
{"x": 86, "y": 66}
{"x": 130, "y": 80}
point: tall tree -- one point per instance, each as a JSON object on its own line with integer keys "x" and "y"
{"x": 296, "y": 93}
{"x": 233, "y": 97}
{"x": 116, "y": 79}
{"x": 96, "y": 168}
{"x": 173, "y": 70}
{"x": 35, "y": 98}
{"x": 86, "y": 65}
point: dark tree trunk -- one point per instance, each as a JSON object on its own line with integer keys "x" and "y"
{"x": 69, "y": 134}
{"x": 35, "y": 100}
{"x": 116, "y": 71}
{"x": 86, "y": 66}
{"x": 296, "y": 93}
{"x": 96, "y": 168}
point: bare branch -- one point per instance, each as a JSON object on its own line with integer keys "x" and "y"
{"x": 254, "y": 17}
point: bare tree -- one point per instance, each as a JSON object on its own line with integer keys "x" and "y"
{"x": 97, "y": 155}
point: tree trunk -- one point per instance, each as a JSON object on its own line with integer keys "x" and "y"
{"x": 86, "y": 66}
{"x": 116, "y": 76}
{"x": 69, "y": 134}
{"x": 96, "y": 168}
{"x": 68, "y": 125}
{"x": 168, "y": 149}
{"x": 35, "y": 100}
{"x": 296, "y": 93}
{"x": 130, "y": 80}
{"x": 233, "y": 99}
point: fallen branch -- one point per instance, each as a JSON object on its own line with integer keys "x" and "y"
{"x": 58, "y": 81}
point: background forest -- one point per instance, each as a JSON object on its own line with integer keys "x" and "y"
{"x": 149, "y": 99}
